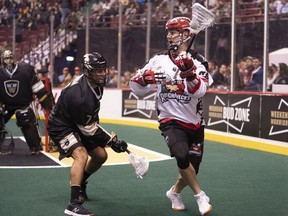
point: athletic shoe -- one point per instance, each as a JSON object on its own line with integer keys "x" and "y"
{"x": 203, "y": 203}
{"x": 34, "y": 151}
{"x": 176, "y": 200}
{"x": 83, "y": 195}
{"x": 76, "y": 209}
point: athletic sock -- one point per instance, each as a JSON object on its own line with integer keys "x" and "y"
{"x": 85, "y": 177}
{"x": 75, "y": 192}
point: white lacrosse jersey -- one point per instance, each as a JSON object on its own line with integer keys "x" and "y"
{"x": 175, "y": 99}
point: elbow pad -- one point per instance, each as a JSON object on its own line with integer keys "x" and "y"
{"x": 47, "y": 101}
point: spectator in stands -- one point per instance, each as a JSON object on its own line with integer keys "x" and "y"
{"x": 31, "y": 22}
{"x": 77, "y": 72}
{"x": 39, "y": 20}
{"x": 65, "y": 9}
{"x": 4, "y": 11}
{"x": 283, "y": 74}
{"x": 113, "y": 83}
{"x": 126, "y": 78}
{"x": 14, "y": 9}
{"x": 218, "y": 78}
{"x": 6, "y": 19}
{"x": 71, "y": 21}
{"x": 272, "y": 74}
{"x": 54, "y": 10}
{"x": 248, "y": 70}
{"x": 256, "y": 80}
{"x": 183, "y": 8}
{"x": 96, "y": 6}
{"x": 24, "y": 7}
{"x": 65, "y": 77}
{"x": 225, "y": 71}
{"x": 282, "y": 8}
{"x": 112, "y": 70}
{"x": 130, "y": 13}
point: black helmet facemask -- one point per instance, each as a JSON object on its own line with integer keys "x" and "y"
{"x": 95, "y": 69}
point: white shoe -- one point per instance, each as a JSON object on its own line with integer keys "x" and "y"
{"x": 203, "y": 203}
{"x": 176, "y": 200}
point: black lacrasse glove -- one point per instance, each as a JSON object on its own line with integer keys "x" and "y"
{"x": 118, "y": 145}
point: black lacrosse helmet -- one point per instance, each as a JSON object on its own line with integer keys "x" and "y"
{"x": 94, "y": 67}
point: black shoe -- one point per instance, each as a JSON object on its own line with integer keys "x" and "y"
{"x": 34, "y": 151}
{"x": 76, "y": 209}
{"x": 83, "y": 195}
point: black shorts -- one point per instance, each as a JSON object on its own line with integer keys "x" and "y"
{"x": 68, "y": 139}
{"x": 185, "y": 138}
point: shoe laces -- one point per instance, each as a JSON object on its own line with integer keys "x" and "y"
{"x": 176, "y": 197}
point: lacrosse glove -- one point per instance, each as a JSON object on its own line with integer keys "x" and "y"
{"x": 150, "y": 76}
{"x": 118, "y": 145}
{"x": 186, "y": 65}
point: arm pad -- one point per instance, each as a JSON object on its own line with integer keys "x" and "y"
{"x": 47, "y": 101}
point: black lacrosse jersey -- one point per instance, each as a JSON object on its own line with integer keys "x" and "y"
{"x": 77, "y": 106}
{"x": 17, "y": 87}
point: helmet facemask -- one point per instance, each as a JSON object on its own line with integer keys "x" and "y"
{"x": 180, "y": 25}
{"x": 95, "y": 69}
{"x": 7, "y": 60}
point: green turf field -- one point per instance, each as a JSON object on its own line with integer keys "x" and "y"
{"x": 239, "y": 182}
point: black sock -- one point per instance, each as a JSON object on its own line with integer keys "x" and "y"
{"x": 75, "y": 192}
{"x": 85, "y": 177}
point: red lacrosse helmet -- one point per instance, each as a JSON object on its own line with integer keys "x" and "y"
{"x": 181, "y": 24}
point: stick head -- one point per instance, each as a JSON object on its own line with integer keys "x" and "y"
{"x": 201, "y": 18}
{"x": 139, "y": 163}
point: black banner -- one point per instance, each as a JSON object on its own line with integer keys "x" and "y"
{"x": 213, "y": 106}
{"x": 233, "y": 113}
{"x": 274, "y": 118}
{"x": 139, "y": 106}
{"x": 244, "y": 114}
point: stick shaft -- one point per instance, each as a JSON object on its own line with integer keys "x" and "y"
{"x": 112, "y": 135}
{"x": 191, "y": 43}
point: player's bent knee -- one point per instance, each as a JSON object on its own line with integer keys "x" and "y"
{"x": 183, "y": 164}
{"x": 182, "y": 160}
{"x": 80, "y": 154}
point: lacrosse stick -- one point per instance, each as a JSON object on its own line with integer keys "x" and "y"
{"x": 201, "y": 19}
{"x": 6, "y": 138}
{"x": 138, "y": 162}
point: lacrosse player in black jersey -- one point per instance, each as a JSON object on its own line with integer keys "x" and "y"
{"x": 74, "y": 127}
{"x": 18, "y": 86}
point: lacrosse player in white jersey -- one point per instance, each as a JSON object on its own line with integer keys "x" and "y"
{"x": 181, "y": 78}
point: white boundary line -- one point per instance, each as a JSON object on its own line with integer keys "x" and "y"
{"x": 63, "y": 165}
